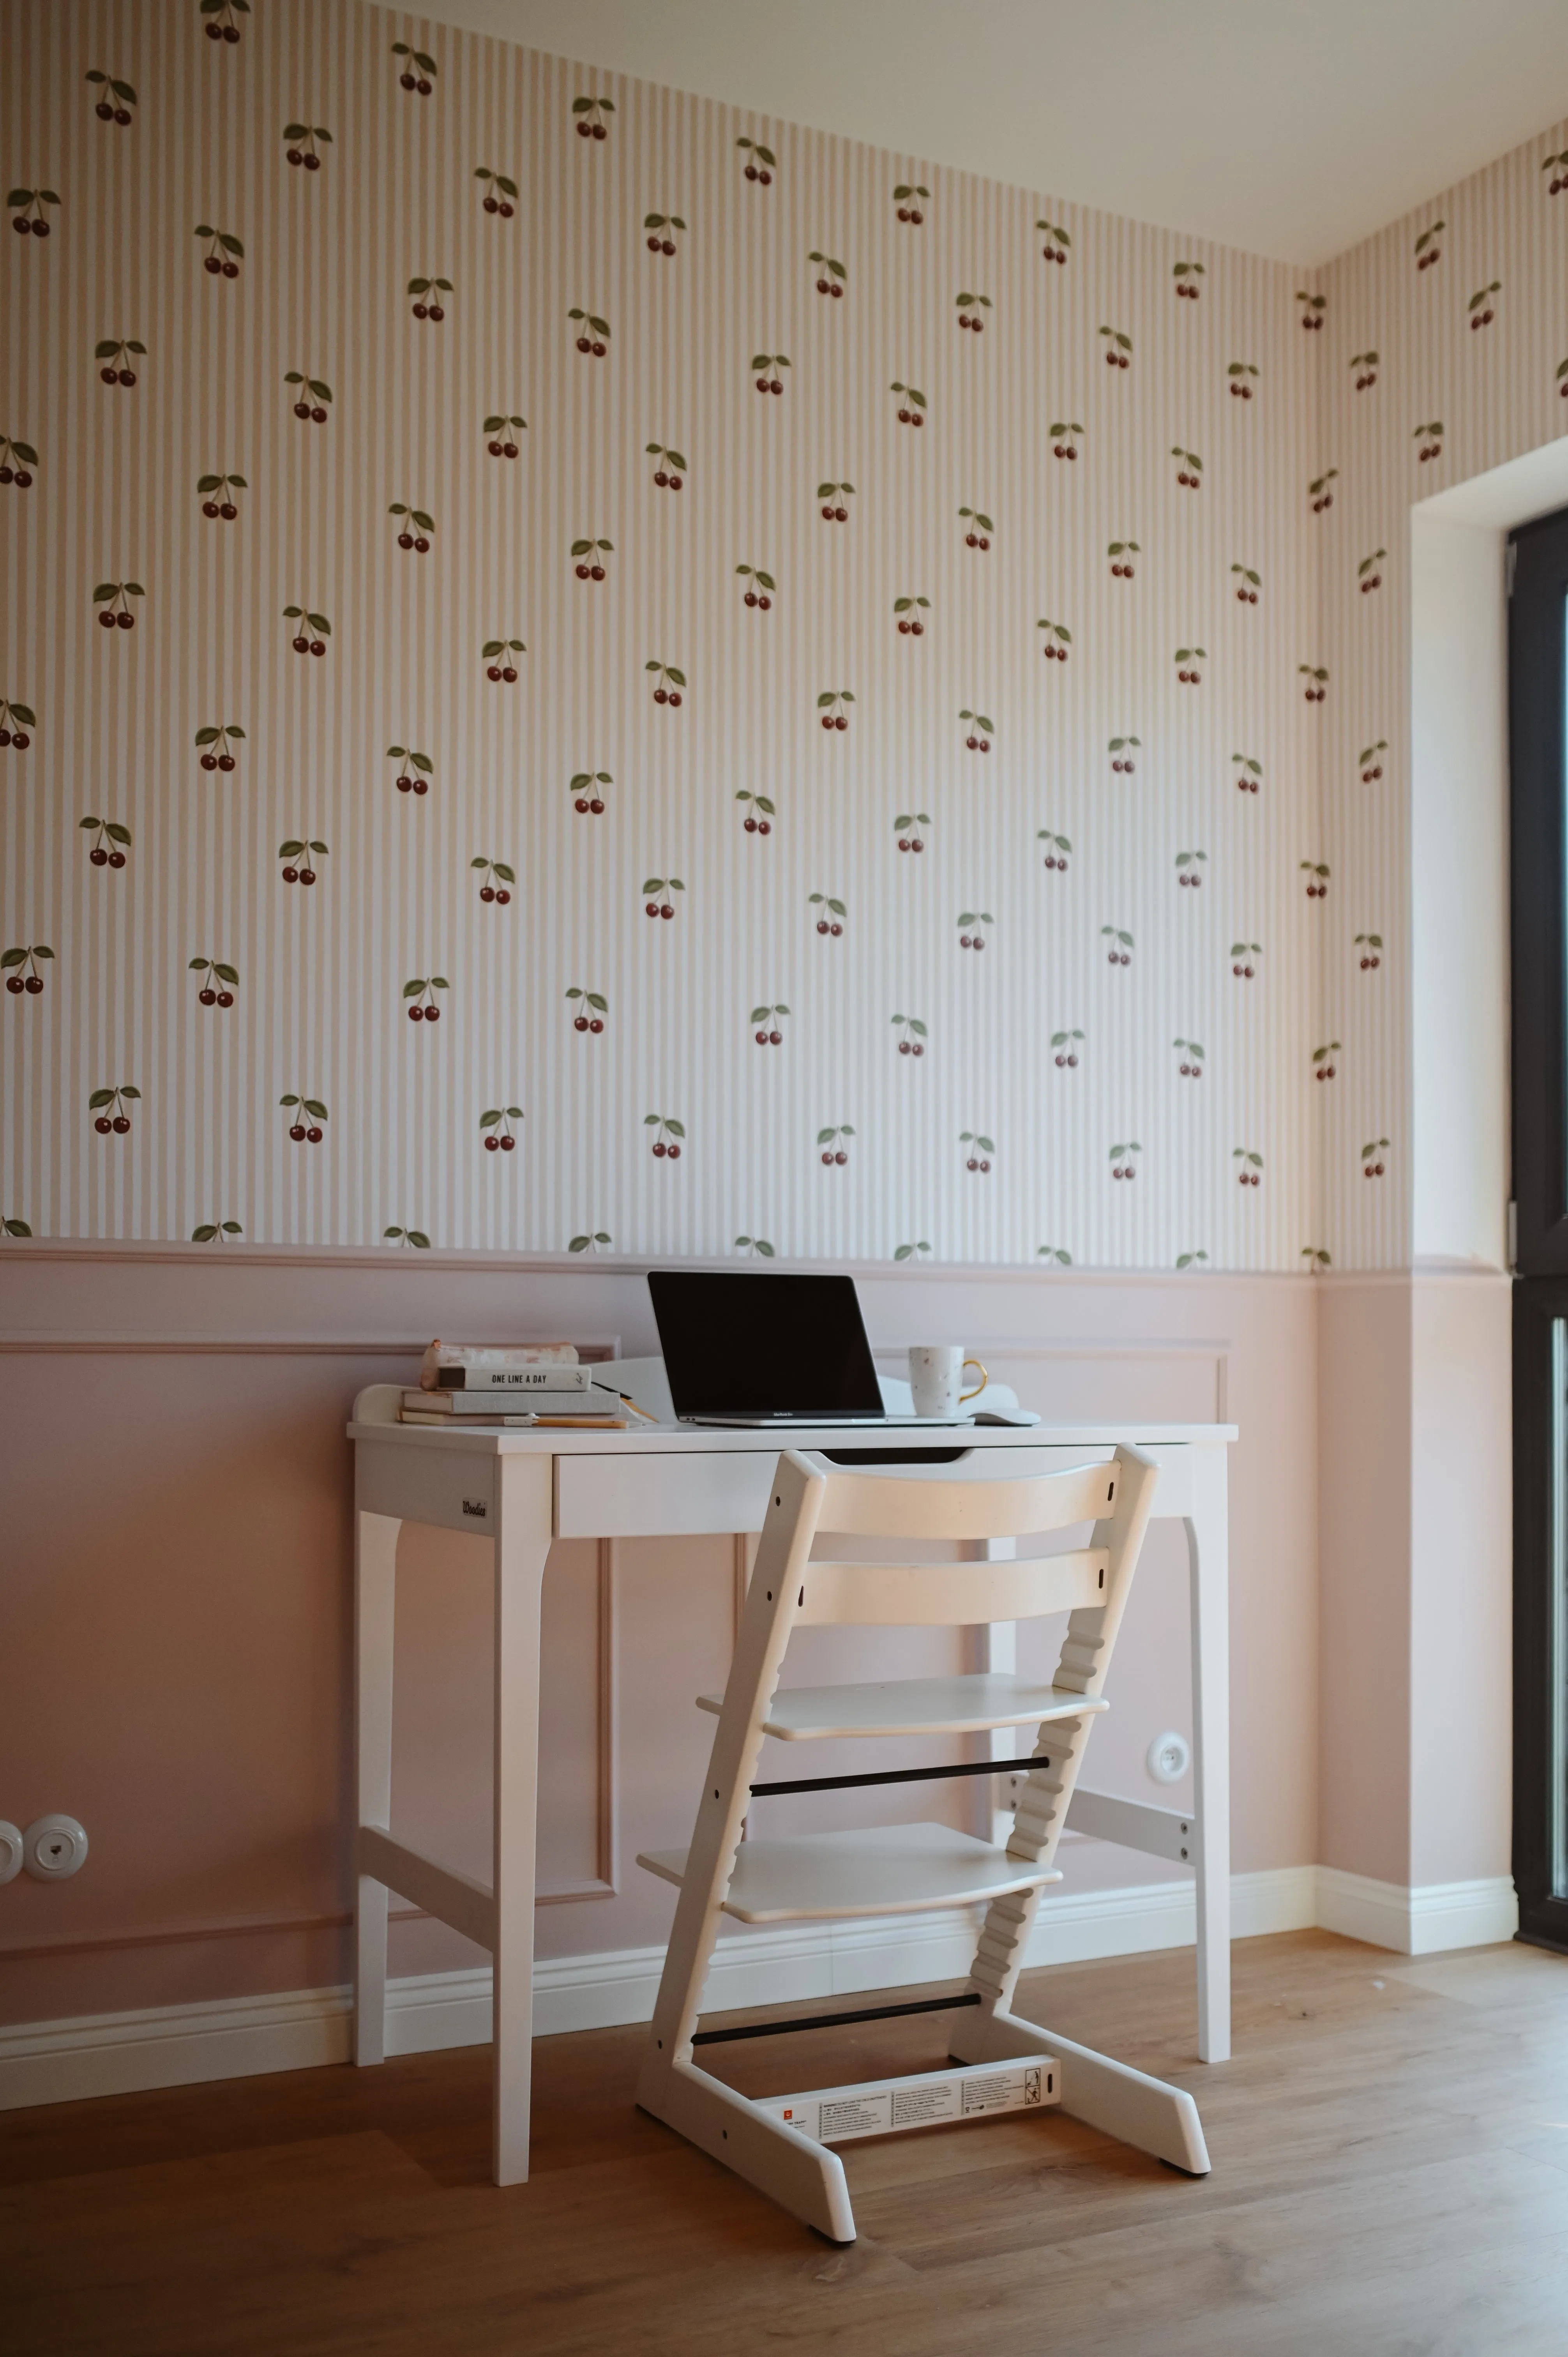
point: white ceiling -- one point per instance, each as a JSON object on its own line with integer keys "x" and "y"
{"x": 1286, "y": 128}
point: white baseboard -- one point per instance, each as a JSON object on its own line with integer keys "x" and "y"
{"x": 171, "y": 2046}
{"x": 234, "y": 2038}
{"x": 1416, "y": 1921}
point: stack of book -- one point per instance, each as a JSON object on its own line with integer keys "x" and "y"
{"x": 511, "y": 1384}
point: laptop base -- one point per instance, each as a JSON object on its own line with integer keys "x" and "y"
{"x": 835, "y": 1420}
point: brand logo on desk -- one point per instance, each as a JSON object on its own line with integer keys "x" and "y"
{"x": 477, "y": 1507}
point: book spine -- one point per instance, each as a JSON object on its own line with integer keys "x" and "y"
{"x": 548, "y": 1377}
{"x": 461, "y": 1423}
{"x": 458, "y": 1407}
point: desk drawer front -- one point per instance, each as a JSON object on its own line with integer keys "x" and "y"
{"x": 451, "y": 1488}
{"x": 661, "y": 1496}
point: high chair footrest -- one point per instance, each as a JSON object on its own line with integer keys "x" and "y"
{"x": 879, "y": 1870}
{"x": 955, "y": 1706}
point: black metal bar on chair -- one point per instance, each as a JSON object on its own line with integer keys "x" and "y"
{"x": 900, "y": 1776}
{"x": 836, "y": 2020}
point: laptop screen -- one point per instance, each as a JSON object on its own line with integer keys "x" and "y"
{"x": 756, "y": 1345}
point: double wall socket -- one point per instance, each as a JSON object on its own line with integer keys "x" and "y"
{"x": 53, "y": 1848}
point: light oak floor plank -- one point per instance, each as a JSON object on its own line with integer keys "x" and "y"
{"x": 1390, "y": 2175}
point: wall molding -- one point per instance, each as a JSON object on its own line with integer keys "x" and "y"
{"x": 363, "y": 1346}
{"x": 1419, "y": 1272}
{"x": 595, "y": 1349}
{"x": 604, "y": 1881}
{"x": 156, "y": 1251}
{"x": 241, "y": 1346}
{"x": 181, "y": 2045}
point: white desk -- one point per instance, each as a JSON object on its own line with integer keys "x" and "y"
{"x": 524, "y": 1489}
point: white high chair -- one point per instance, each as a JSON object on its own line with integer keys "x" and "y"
{"x": 1002, "y": 2063}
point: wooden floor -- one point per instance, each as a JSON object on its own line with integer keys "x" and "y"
{"x": 1390, "y": 2175}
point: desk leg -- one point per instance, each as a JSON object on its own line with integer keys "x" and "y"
{"x": 375, "y": 1587}
{"x": 523, "y": 1497}
{"x": 1209, "y": 1564}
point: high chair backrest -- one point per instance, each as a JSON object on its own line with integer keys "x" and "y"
{"x": 813, "y": 1502}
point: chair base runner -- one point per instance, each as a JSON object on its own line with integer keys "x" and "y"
{"x": 792, "y": 2169}
{"x": 1125, "y": 2103}
{"x": 780, "y": 2144}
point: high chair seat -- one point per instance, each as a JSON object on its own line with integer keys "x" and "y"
{"x": 874, "y": 1870}
{"x": 955, "y": 1706}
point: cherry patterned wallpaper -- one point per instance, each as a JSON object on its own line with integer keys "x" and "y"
{"x": 1444, "y": 354}
{"x": 584, "y": 672}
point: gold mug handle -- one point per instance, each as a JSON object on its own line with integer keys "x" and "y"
{"x": 980, "y": 1386}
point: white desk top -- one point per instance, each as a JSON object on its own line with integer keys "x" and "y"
{"x": 685, "y": 1439}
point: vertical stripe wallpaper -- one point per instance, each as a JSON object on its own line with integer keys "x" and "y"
{"x": 1463, "y": 308}
{"x": 1102, "y": 490}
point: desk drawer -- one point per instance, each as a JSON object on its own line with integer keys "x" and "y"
{"x": 662, "y": 1497}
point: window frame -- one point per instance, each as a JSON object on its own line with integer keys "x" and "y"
{"x": 1538, "y": 621}
{"x": 1538, "y": 764}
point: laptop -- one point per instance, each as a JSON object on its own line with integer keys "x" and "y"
{"x": 768, "y": 1351}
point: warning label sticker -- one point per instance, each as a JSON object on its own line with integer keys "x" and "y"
{"x": 1004, "y": 2091}
{"x": 856, "y": 2116}
{"x": 833, "y": 2115}
{"x": 913, "y": 2108}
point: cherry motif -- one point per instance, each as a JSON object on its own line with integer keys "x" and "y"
{"x": 109, "y": 835}
{"x": 112, "y": 601}
{"x": 117, "y": 99}
{"x": 16, "y": 720}
{"x": 109, "y": 1105}
{"x": 593, "y": 1008}
{"x": 500, "y": 193}
{"x": 224, "y": 251}
{"x": 419, "y": 71}
{"x": 28, "y": 210}
{"x": 20, "y": 967}
{"x": 495, "y": 1128}
{"x": 302, "y": 643}
{"x": 300, "y": 148}
{"x": 419, "y": 996}
{"x": 424, "y": 291}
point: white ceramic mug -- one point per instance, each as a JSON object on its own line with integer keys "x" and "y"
{"x": 936, "y": 1377}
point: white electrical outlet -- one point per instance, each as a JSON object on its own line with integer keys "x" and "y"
{"x": 54, "y": 1849}
{"x": 10, "y": 1850}
{"x": 1168, "y": 1758}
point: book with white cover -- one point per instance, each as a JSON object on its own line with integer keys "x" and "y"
{"x": 579, "y": 1417}
{"x": 578, "y": 1399}
{"x": 552, "y": 1377}
{"x": 475, "y": 1366}
{"x": 493, "y": 1419}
